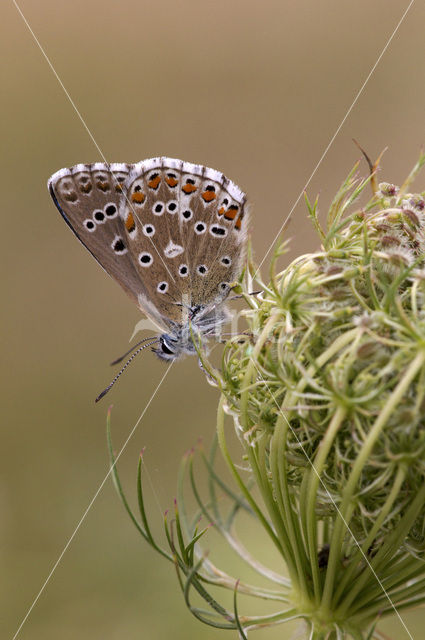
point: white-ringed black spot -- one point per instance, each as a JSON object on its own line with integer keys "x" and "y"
{"x": 158, "y": 208}
{"x": 99, "y": 216}
{"x": 149, "y": 230}
{"x": 224, "y": 286}
{"x": 172, "y": 206}
{"x": 110, "y": 210}
{"x": 225, "y": 202}
{"x": 226, "y": 261}
{"x": 89, "y": 225}
{"x": 118, "y": 245}
{"x": 162, "y": 287}
{"x": 200, "y": 227}
{"x": 218, "y": 231}
{"x": 137, "y": 188}
{"x": 187, "y": 214}
{"x": 210, "y": 187}
{"x": 202, "y": 269}
{"x": 145, "y": 259}
{"x": 183, "y": 270}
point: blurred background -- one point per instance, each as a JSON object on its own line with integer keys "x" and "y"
{"x": 255, "y": 89}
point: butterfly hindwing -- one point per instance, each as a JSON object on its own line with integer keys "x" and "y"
{"x": 186, "y": 230}
{"x": 216, "y": 244}
{"x": 155, "y": 236}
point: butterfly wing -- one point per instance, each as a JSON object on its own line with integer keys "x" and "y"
{"x": 186, "y": 227}
{"x": 88, "y": 197}
{"x": 216, "y": 239}
{"x": 171, "y": 233}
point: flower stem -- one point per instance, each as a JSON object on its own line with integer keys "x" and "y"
{"x": 341, "y": 523}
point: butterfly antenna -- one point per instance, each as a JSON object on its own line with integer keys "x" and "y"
{"x": 118, "y": 360}
{"x": 111, "y": 384}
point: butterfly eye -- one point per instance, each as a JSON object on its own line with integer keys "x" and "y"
{"x": 183, "y": 270}
{"x": 226, "y": 261}
{"x": 200, "y": 227}
{"x": 162, "y": 287}
{"x": 149, "y": 230}
{"x": 171, "y": 206}
{"x": 202, "y": 269}
{"x": 145, "y": 259}
{"x": 89, "y": 225}
{"x": 165, "y": 348}
{"x": 158, "y": 208}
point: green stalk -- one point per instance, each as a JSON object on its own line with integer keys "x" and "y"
{"x": 314, "y": 478}
{"x": 349, "y": 490}
{"x": 245, "y": 491}
{"x": 348, "y": 578}
{"x": 280, "y": 486}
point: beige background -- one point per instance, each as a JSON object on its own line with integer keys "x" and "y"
{"x": 254, "y": 88}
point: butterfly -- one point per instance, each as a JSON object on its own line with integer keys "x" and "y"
{"x": 173, "y": 234}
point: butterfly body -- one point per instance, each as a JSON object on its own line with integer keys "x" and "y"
{"x": 171, "y": 233}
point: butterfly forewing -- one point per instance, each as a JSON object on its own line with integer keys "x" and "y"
{"x": 88, "y": 197}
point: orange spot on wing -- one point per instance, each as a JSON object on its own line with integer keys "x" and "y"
{"x": 238, "y": 223}
{"x": 189, "y": 188}
{"x": 208, "y": 196}
{"x": 221, "y": 211}
{"x": 129, "y": 222}
{"x": 231, "y": 212}
{"x": 138, "y": 197}
{"x": 171, "y": 182}
{"x": 153, "y": 184}
{"x": 118, "y": 186}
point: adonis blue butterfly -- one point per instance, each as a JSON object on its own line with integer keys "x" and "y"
{"x": 171, "y": 233}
